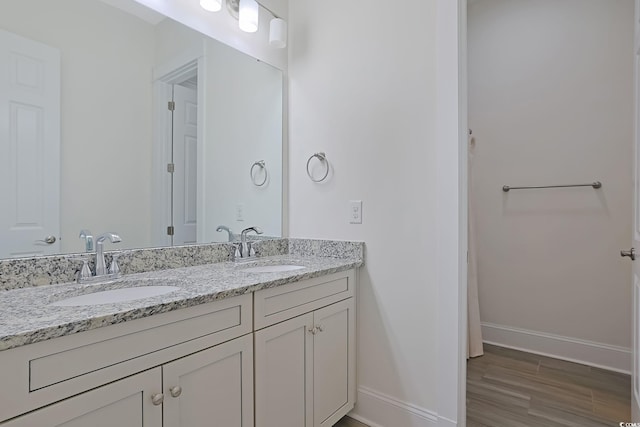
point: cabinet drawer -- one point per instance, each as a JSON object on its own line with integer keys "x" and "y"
{"x": 49, "y": 371}
{"x": 275, "y": 305}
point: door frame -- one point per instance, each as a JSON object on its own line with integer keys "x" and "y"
{"x": 451, "y": 146}
{"x": 164, "y": 76}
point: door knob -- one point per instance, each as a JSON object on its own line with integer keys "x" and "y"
{"x": 49, "y": 240}
{"x": 631, "y": 253}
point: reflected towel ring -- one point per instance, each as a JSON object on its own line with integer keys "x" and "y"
{"x": 264, "y": 168}
{"x": 323, "y": 158}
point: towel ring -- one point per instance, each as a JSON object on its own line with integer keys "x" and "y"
{"x": 323, "y": 158}
{"x": 262, "y": 166}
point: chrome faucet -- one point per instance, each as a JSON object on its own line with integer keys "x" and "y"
{"x": 232, "y": 235}
{"x": 101, "y": 273}
{"x": 245, "y": 249}
{"x": 101, "y": 268}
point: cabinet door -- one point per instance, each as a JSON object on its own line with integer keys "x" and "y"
{"x": 213, "y": 387}
{"x": 283, "y": 377}
{"x": 124, "y": 403}
{"x": 333, "y": 363}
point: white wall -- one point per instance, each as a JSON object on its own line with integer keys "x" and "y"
{"x": 244, "y": 124}
{"x": 363, "y": 88}
{"x": 551, "y": 103}
{"x": 106, "y": 127}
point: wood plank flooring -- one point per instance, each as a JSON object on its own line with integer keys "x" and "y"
{"x": 509, "y": 388}
{"x": 349, "y": 422}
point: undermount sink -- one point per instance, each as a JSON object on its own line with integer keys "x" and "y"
{"x": 272, "y": 268}
{"x": 115, "y": 296}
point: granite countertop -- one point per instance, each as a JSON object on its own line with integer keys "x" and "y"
{"x": 26, "y": 316}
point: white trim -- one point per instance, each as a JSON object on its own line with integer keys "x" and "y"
{"x": 451, "y": 146}
{"x": 389, "y": 411}
{"x": 600, "y": 355}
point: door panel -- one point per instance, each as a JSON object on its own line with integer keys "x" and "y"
{"x": 29, "y": 146}
{"x": 216, "y": 384}
{"x": 331, "y": 362}
{"x": 283, "y": 377}
{"x": 185, "y": 142}
{"x": 635, "y": 393}
{"x": 124, "y": 403}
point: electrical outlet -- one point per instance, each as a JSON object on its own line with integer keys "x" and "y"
{"x": 355, "y": 212}
{"x": 239, "y": 212}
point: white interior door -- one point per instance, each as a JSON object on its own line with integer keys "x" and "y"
{"x": 29, "y": 147}
{"x": 635, "y": 393}
{"x": 185, "y": 176}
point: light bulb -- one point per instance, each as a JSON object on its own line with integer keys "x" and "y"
{"x": 278, "y": 33}
{"x": 248, "y": 16}
{"x": 211, "y": 5}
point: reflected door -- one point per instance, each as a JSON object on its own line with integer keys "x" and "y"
{"x": 635, "y": 392}
{"x": 185, "y": 148}
{"x": 29, "y": 147}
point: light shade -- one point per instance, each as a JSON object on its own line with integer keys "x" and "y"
{"x": 211, "y": 5}
{"x": 248, "y": 16}
{"x": 278, "y": 33}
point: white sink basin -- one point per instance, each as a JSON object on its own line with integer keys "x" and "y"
{"x": 115, "y": 296}
{"x": 272, "y": 268}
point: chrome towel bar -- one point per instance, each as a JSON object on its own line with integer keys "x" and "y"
{"x": 596, "y": 184}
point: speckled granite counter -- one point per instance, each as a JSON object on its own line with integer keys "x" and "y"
{"x": 26, "y": 316}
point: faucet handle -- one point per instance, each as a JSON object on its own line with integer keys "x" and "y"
{"x": 85, "y": 272}
{"x": 88, "y": 240}
{"x": 114, "y": 268}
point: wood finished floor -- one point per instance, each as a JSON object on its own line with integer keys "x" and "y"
{"x": 508, "y": 388}
{"x": 349, "y": 422}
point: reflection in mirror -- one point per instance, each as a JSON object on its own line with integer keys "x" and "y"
{"x": 89, "y": 134}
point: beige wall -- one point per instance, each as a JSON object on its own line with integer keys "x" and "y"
{"x": 550, "y": 102}
{"x": 362, "y": 89}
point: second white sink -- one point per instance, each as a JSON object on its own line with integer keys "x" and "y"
{"x": 115, "y": 296}
{"x": 272, "y": 268}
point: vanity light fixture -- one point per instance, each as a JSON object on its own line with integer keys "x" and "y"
{"x": 248, "y": 15}
{"x": 247, "y": 12}
{"x": 278, "y": 33}
{"x": 211, "y": 5}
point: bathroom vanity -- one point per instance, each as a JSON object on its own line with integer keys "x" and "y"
{"x": 241, "y": 348}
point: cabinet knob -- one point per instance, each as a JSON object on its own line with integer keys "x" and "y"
{"x": 175, "y": 391}
{"x": 313, "y": 330}
{"x": 320, "y": 328}
{"x": 157, "y": 399}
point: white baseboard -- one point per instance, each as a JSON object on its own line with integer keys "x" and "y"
{"x": 605, "y": 356}
{"x": 377, "y": 409}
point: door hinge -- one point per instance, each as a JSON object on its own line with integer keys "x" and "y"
{"x": 172, "y": 106}
{"x": 171, "y": 167}
{"x": 170, "y": 230}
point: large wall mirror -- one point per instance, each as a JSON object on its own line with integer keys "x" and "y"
{"x": 130, "y": 123}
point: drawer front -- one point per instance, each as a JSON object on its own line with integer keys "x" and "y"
{"x": 46, "y": 372}
{"x": 275, "y": 305}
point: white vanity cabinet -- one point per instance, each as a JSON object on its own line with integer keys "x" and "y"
{"x": 305, "y": 366}
{"x": 216, "y": 383}
{"x": 212, "y": 387}
{"x": 197, "y": 366}
{"x": 124, "y": 403}
{"x": 180, "y": 368}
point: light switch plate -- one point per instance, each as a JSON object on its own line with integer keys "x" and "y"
{"x": 239, "y": 212}
{"x": 355, "y": 212}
